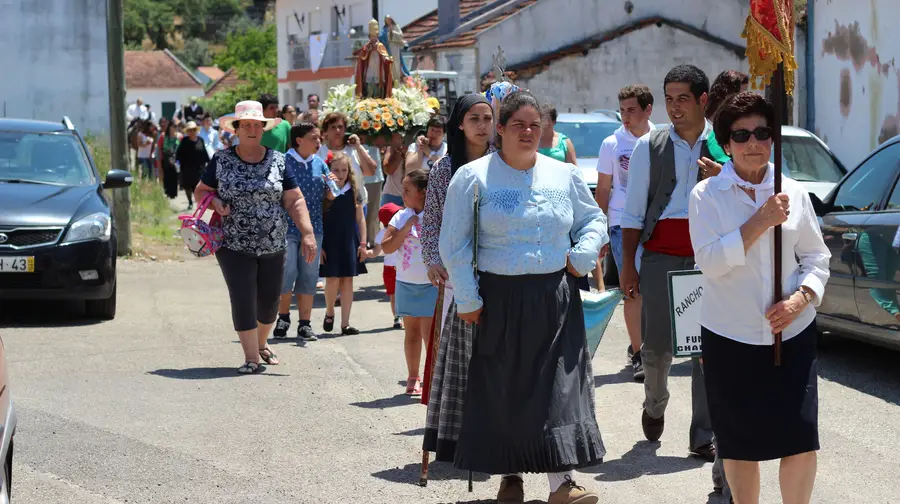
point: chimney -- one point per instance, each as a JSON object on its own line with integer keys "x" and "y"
{"x": 448, "y": 16}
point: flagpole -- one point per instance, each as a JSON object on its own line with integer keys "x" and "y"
{"x": 778, "y": 98}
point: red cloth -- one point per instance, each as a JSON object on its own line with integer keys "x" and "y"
{"x": 389, "y": 275}
{"x": 672, "y": 237}
{"x": 432, "y": 347}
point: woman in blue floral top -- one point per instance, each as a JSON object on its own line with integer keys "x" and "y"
{"x": 253, "y": 189}
{"x": 529, "y": 403}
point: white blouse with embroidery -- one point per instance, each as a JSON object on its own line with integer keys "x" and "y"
{"x": 528, "y": 222}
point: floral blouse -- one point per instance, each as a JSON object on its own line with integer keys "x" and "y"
{"x": 438, "y": 182}
{"x": 258, "y": 223}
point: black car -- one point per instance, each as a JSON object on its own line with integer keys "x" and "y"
{"x": 57, "y": 238}
{"x": 860, "y": 220}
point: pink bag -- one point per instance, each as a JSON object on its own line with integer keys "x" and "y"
{"x": 200, "y": 237}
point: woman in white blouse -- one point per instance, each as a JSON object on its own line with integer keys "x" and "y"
{"x": 759, "y": 411}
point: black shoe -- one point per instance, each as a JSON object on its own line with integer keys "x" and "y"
{"x": 349, "y": 331}
{"x": 397, "y": 324}
{"x": 706, "y": 452}
{"x": 305, "y": 333}
{"x": 328, "y": 324}
{"x": 281, "y": 328}
{"x": 630, "y": 352}
{"x": 653, "y": 427}
{"x": 637, "y": 364}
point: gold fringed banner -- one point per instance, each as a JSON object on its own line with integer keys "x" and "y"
{"x": 770, "y": 40}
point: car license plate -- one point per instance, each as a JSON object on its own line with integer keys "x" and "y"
{"x": 16, "y": 264}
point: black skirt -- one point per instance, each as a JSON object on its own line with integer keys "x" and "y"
{"x": 760, "y": 411}
{"x": 529, "y": 403}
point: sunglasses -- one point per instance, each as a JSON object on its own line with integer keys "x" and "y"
{"x": 761, "y": 133}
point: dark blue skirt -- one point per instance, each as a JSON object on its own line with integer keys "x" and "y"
{"x": 760, "y": 411}
{"x": 529, "y": 403}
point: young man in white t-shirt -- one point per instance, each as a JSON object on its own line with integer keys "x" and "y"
{"x": 427, "y": 149}
{"x": 635, "y": 105}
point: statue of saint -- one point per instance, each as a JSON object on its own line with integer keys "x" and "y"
{"x": 392, "y": 38}
{"x": 373, "y": 67}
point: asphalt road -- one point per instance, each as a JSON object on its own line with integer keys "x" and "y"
{"x": 148, "y": 409}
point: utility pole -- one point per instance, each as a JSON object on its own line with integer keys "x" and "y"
{"x": 115, "y": 51}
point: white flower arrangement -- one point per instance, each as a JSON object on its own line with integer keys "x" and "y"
{"x": 414, "y": 104}
{"x": 341, "y": 98}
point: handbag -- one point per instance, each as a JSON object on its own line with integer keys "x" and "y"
{"x": 598, "y": 309}
{"x": 202, "y": 238}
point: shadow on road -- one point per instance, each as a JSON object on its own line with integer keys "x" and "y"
{"x": 206, "y": 373}
{"x": 625, "y": 375}
{"x": 867, "y": 368}
{"x": 44, "y": 314}
{"x": 437, "y": 471}
{"x": 413, "y": 432}
{"x": 389, "y": 402}
{"x": 642, "y": 460}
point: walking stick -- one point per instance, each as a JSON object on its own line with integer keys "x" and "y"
{"x": 429, "y": 373}
{"x": 778, "y": 97}
{"x": 470, "y": 481}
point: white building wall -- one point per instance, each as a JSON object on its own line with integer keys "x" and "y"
{"x": 54, "y": 61}
{"x": 156, "y": 96}
{"x": 551, "y": 24}
{"x": 463, "y": 62}
{"x": 857, "y": 82}
{"x": 584, "y": 83}
{"x": 318, "y": 16}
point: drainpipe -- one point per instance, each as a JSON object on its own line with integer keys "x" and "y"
{"x": 810, "y": 67}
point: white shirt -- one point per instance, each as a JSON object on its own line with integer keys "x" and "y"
{"x": 350, "y": 151}
{"x": 427, "y": 155}
{"x": 614, "y": 158}
{"x": 144, "y": 150}
{"x": 638, "y": 187}
{"x": 738, "y": 286}
{"x": 388, "y": 258}
{"x": 137, "y": 112}
{"x": 408, "y": 258}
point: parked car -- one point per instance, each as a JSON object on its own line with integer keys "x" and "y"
{"x": 7, "y": 429}
{"x": 860, "y": 221}
{"x": 612, "y": 114}
{"x": 57, "y": 237}
{"x": 587, "y": 132}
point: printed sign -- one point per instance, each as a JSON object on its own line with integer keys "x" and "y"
{"x": 685, "y": 297}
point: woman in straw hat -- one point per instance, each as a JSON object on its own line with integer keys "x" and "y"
{"x": 253, "y": 189}
{"x": 192, "y": 158}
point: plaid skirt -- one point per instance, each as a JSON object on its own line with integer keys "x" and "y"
{"x": 448, "y": 387}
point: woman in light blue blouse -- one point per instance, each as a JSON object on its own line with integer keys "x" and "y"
{"x": 529, "y": 403}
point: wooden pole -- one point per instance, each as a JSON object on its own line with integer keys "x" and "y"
{"x": 778, "y": 99}
{"x": 115, "y": 54}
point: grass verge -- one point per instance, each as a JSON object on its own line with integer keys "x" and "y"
{"x": 153, "y": 220}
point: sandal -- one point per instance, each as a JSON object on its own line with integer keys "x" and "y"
{"x": 328, "y": 325}
{"x": 413, "y": 386}
{"x": 349, "y": 331}
{"x": 250, "y": 368}
{"x": 267, "y": 355}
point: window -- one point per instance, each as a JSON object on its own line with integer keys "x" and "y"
{"x": 864, "y": 188}
{"x": 807, "y": 161}
{"x": 892, "y": 153}
{"x": 43, "y": 159}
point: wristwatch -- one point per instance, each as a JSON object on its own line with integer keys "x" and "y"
{"x": 806, "y": 295}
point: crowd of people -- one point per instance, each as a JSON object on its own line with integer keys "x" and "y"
{"x": 489, "y": 231}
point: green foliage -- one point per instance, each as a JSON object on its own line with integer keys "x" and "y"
{"x": 254, "y": 46}
{"x": 151, "y": 213}
{"x": 202, "y": 19}
{"x": 253, "y": 55}
{"x": 195, "y": 53}
{"x": 100, "y": 152}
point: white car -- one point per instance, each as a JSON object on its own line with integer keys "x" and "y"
{"x": 587, "y": 132}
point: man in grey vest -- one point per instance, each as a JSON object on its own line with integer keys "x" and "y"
{"x": 664, "y": 168}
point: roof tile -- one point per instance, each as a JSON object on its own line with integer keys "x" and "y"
{"x": 156, "y": 69}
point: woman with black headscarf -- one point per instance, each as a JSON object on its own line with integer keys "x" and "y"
{"x": 469, "y": 134}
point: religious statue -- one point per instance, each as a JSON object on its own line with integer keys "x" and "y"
{"x": 392, "y": 38}
{"x": 373, "y": 67}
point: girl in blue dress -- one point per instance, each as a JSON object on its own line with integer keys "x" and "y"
{"x": 343, "y": 244}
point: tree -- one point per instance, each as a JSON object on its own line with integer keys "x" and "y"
{"x": 153, "y": 19}
{"x": 195, "y": 53}
{"x": 201, "y": 19}
{"x": 255, "y": 46}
